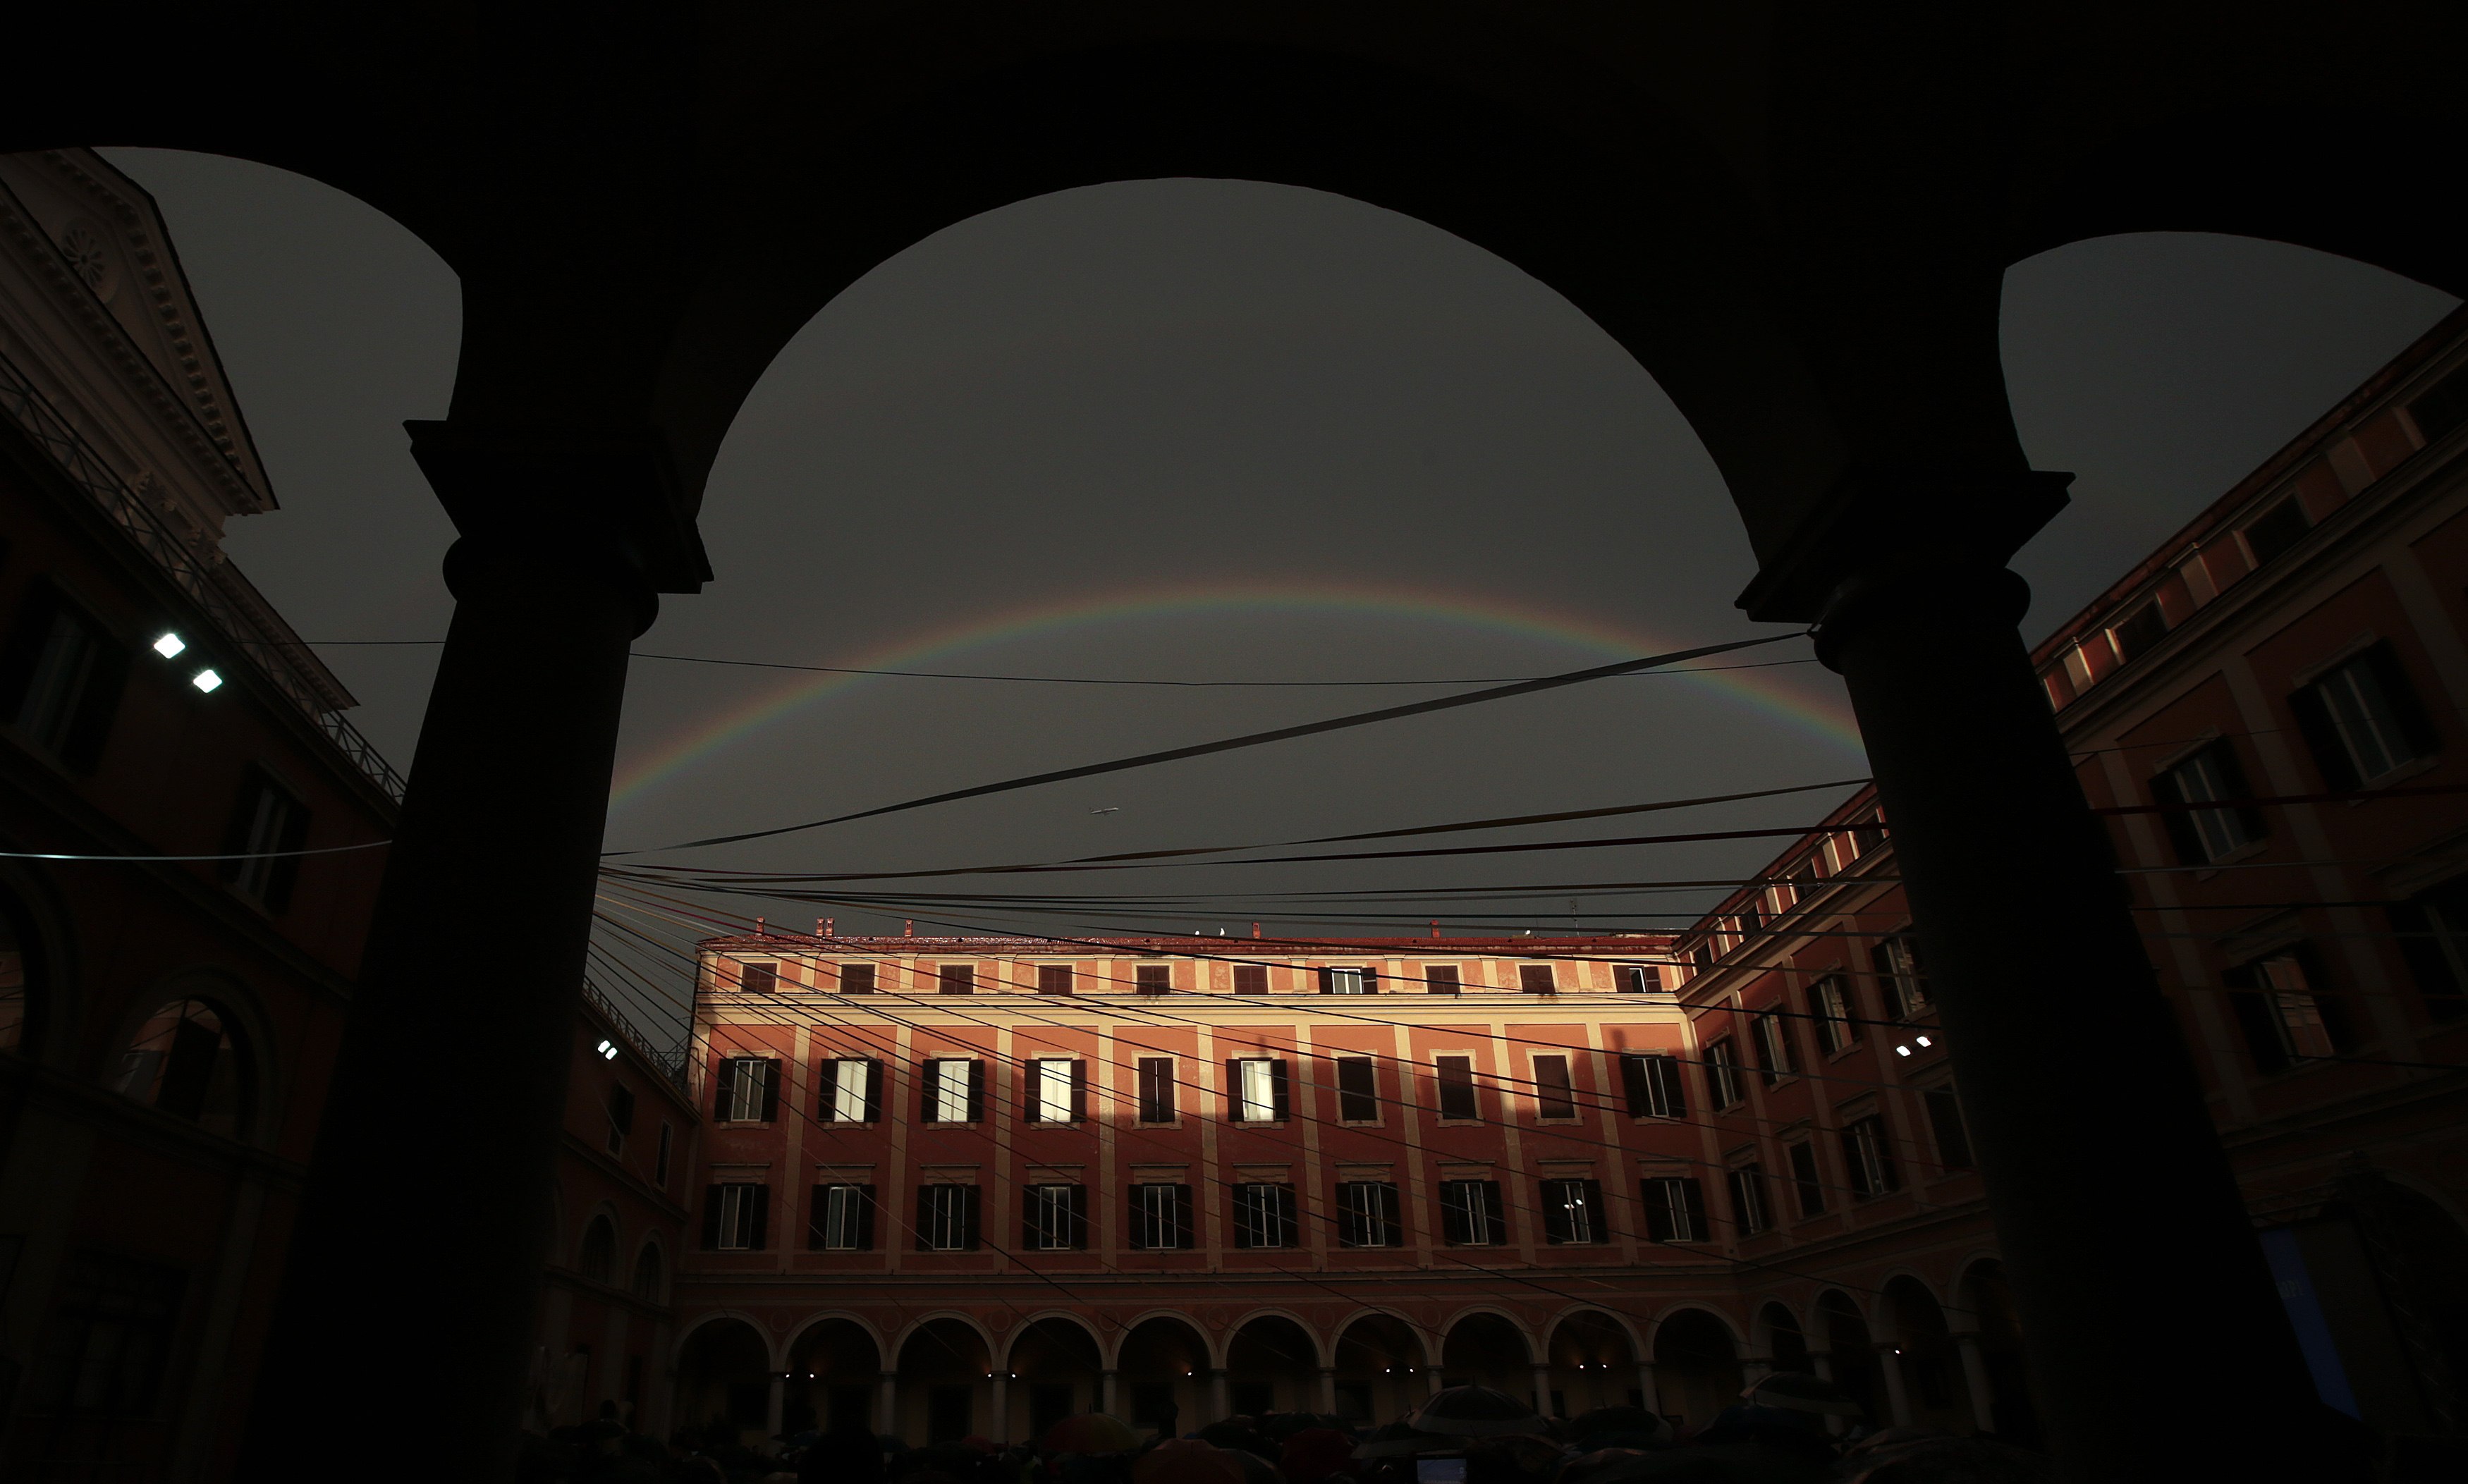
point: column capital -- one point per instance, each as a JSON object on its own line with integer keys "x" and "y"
{"x": 1876, "y": 517}
{"x": 600, "y": 500}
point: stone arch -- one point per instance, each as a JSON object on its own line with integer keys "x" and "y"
{"x": 1383, "y": 1366}
{"x": 1696, "y": 1363}
{"x": 1592, "y": 1354}
{"x": 1485, "y": 1346}
{"x": 1996, "y": 1327}
{"x": 198, "y": 1045}
{"x": 723, "y": 1377}
{"x": 1165, "y": 1363}
{"x": 1272, "y": 1364}
{"x": 1845, "y": 1347}
{"x": 1055, "y": 1363}
{"x": 1775, "y": 1333}
{"x": 1934, "y": 1392}
{"x": 1888, "y": 1310}
{"x": 945, "y": 1364}
{"x": 835, "y": 1369}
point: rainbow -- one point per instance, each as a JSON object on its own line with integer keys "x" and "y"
{"x": 637, "y": 776}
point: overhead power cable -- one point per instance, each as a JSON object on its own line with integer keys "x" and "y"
{"x": 1234, "y": 743}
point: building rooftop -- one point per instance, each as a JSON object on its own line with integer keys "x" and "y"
{"x": 1182, "y": 943}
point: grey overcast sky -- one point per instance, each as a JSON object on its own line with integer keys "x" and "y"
{"x": 1210, "y": 429}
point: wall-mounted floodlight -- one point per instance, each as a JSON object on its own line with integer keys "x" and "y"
{"x": 170, "y": 646}
{"x": 1923, "y": 1040}
{"x": 1902, "y": 1051}
{"x": 607, "y": 1051}
{"x": 207, "y": 680}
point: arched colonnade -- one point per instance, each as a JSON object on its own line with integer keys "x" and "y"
{"x": 955, "y": 1374}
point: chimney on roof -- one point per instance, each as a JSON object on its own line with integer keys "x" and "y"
{"x": 909, "y": 927}
{"x": 828, "y": 929}
{"x": 761, "y": 931}
{"x": 1435, "y": 927}
{"x": 1255, "y": 929}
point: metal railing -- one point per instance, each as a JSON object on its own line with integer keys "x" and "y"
{"x": 146, "y": 528}
{"x": 669, "y": 1063}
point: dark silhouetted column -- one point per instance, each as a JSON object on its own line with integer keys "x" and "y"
{"x": 2112, "y": 1199}
{"x": 402, "y": 1338}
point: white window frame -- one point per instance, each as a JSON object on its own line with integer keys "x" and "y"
{"x": 1641, "y": 979}
{"x": 849, "y": 1080}
{"x": 1256, "y": 1096}
{"x": 1748, "y": 1200}
{"x": 2363, "y": 718}
{"x": 1049, "y": 1214}
{"x": 1578, "y": 1216}
{"x": 1161, "y": 1216}
{"x": 1050, "y": 1091}
{"x": 947, "y": 1218}
{"x": 737, "y": 1218}
{"x": 745, "y": 1093}
{"x": 947, "y": 1089}
{"x": 1363, "y": 1207}
{"x": 1341, "y": 976}
{"x": 2201, "y": 780}
{"x": 843, "y": 1218}
{"x": 1259, "y": 1213}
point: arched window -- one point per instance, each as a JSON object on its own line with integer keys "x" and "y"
{"x": 599, "y": 1258}
{"x": 186, "y": 1062}
{"x": 647, "y": 1274}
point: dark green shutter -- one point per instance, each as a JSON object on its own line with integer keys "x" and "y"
{"x": 977, "y": 1092}
{"x": 873, "y": 1091}
{"x": 711, "y": 1217}
{"x": 827, "y": 1086}
{"x": 2323, "y": 739}
{"x": 865, "y": 1219}
{"x": 2383, "y": 663}
{"x": 1596, "y": 1211}
{"x": 1555, "y": 1212}
{"x": 1234, "y": 1089}
{"x": 770, "y": 1089}
{"x": 1290, "y": 1221}
{"x": 1280, "y": 1093}
{"x": 1080, "y": 1094}
{"x": 1080, "y": 1218}
{"x": 1654, "y": 1195}
{"x": 2182, "y": 837}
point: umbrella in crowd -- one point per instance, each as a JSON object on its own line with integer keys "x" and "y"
{"x": 1477, "y": 1412}
{"x": 1091, "y": 1433}
{"x": 1404, "y": 1440}
{"x": 1189, "y": 1461}
{"x": 1797, "y": 1391}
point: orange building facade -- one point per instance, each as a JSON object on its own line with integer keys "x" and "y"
{"x": 959, "y": 1185}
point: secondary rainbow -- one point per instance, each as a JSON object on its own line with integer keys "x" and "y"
{"x": 1755, "y": 689}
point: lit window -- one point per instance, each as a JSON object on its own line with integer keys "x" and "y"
{"x": 953, "y": 1090}
{"x": 1053, "y": 1092}
{"x": 851, "y": 1090}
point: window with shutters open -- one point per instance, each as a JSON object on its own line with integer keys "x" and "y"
{"x": 849, "y": 1090}
{"x": 1555, "y": 1095}
{"x": 61, "y": 679}
{"x": 1250, "y": 978}
{"x": 1869, "y": 1159}
{"x": 2363, "y": 720}
{"x": 750, "y": 1089}
{"x": 1358, "y": 1089}
{"x": 267, "y": 823}
{"x": 1748, "y": 1183}
{"x": 1344, "y": 981}
{"x": 1805, "y": 1181}
{"x": 1055, "y": 1218}
{"x": 2209, "y": 775}
{"x": 1457, "y": 1098}
{"x": 735, "y": 1216}
{"x": 843, "y": 1218}
{"x": 621, "y": 1118}
{"x": 2279, "y": 1005}
{"x": 1723, "y": 1072}
{"x": 1057, "y": 1092}
{"x": 1157, "y": 1090}
{"x": 1256, "y": 1089}
{"x": 1264, "y": 1216}
{"x": 1653, "y": 1086}
{"x": 1161, "y": 1218}
{"x": 953, "y": 1088}
{"x": 1368, "y": 1215}
{"x": 1900, "y": 974}
{"x": 1774, "y": 1047}
{"x": 1675, "y": 1209}
{"x": 1573, "y": 1214}
{"x": 1640, "y": 979}
{"x": 1472, "y": 1214}
{"x": 1443, "y": 979}
{"x": 947, "y": 1219}
{"x": 2433, "y": 932}
{"x": 1829, "y": 1013}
